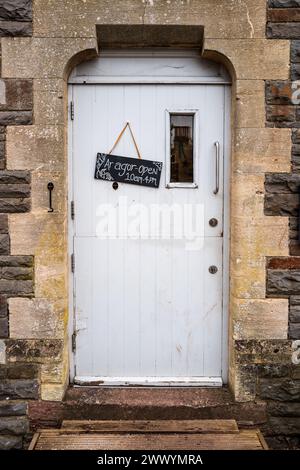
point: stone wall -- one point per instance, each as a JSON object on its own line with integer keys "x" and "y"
{"x": 18, "y": 381}
{"x": 34, "y": 264}
{"x": 279, "y": 383}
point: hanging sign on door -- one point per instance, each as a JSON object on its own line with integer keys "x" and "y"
{"x": 126, "y": 169}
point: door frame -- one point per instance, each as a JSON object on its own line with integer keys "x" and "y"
{"x": 207, "y": 381}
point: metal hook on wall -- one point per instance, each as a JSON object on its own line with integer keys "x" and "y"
{"x": 50, "y": 187}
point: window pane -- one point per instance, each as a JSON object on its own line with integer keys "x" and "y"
{"x": 182, "y": 148}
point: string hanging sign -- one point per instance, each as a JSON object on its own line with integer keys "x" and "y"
{"x": 126, "y": 169}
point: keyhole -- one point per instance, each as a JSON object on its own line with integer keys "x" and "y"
{"x": 115, "y": 185}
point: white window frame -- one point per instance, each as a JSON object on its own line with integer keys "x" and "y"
{"x": 195, "y": 114}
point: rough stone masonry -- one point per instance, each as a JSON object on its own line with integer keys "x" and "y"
{"x": 41, "y": 40}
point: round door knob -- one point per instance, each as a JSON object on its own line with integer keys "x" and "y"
{"x": 213, "y": 269}
{"x": 213, "y": 222}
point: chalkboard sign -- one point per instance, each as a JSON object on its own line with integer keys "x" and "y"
{"x": 128, "y": 170}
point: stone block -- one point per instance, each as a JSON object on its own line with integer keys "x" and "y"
{"x": 258, "y": 151}
{"x": 18, "y": 95}
{"x": 33, "y": 147}
{"x": 10, "y": 442}
{"x": 36, "y": 318}
{"x": 279, "y": 92}
{"x": 250, "y": 104}
{"x": 280, "y": 390}
{"x": 283, "y": 30}
{"x": 3, "y": 306}
{"x": 15, "y": 28}
{"x": 11, "y": 205}
{"x": 15, "y": 118}
{"x": 294, "y": 330}
{"x": 295, "y": 51}
{"x": 260, "y": 318}
{"x": 259, "y": 59}
{"x": 36, "y": 351}
{"x": 295, "y": 313}
{"x": 4, "y": 244}
{"x": 4, "y": 329}
{"x": 281, "y": 283}
{"x": 19, "y": 58}
{"x": 13, "y": 408}
{"x": 283, "y": 426}
{"x": 282, "y": 183}
{"x": 19, "y": 370}
{"x": 49, "y": 105}
{"x": 19, "y": 389}
{"x": 17, "y": 10}
{"x": 282, "y": 204}
{"x": 15, "y": 177}
{"x": 281, "y": 116}
{"x": 17, "y": 425}
{"x": 284, "y": 15}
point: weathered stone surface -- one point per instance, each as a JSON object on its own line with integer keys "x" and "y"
{"x": 18, "y": 10}
{"x": 13, "y": 408}
{"x": 283, "y": 263}
{"x": 49, "y": 105}
{"x": 14, "y": 425}
{"x": 31, "y": 147}
{"x": 3, "y": 306}
{"x": 283, "y": 30}
{"x": 261, "y": 150}
{"x": 287, "y": 409}
{"x": 15, "y": 177}
{"x": 273, "y": 370}
{"x": 4, "y": 327}
{"x": 280, "y": 390}
{"x": 283, "y": 116}
{"x": 15, "y": 118}
{"x": 15, "y": 28}
{"x": 284, "y": 15}
{"x": 14, "y": 190}
{"x": 295, "y": 313}
{"x": 295, "y": 71}
{"x": 282, "y": 183}
{"x": 3, "y": 222}
{"x": 294, "y": 330}
{"x": 10, "y": 442}
{"x": 283, "y": 426}
{"x": 36, "y": 318}
{"x": 11, "y": 205}
{"x": 68, "y": 21}
{"x": 46, "y": 350}
{"x": 263, "y": 352}
{"x": 282, "y": 204}
{"x": 283, "y": 283}
{"x": 260, "y": 319}
{"x": 4, "y": 244}
{"x": 250, "y": 106}
{"x": 279, "y": 92}
{"x": 284, "y": 3}
{"x": 17, "y": 288}
{"x": 295, "y": 51}
{"x": 16, "y": 261}
{"x": 261, "y": 59}
{"x": 19, "y": 370}
{"x": 19, "y": 389}
{"x": 18, "y": 95}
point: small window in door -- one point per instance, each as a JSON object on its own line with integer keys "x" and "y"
{"x": 180, "y": 167}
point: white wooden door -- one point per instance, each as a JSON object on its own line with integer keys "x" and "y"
{"x": 148, "y": 304}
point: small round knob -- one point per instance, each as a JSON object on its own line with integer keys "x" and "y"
{"x": 213, "y": 269}
{"x": 213, "y": 222}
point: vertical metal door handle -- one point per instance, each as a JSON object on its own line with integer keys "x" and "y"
{"x": 217, "y": 187}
